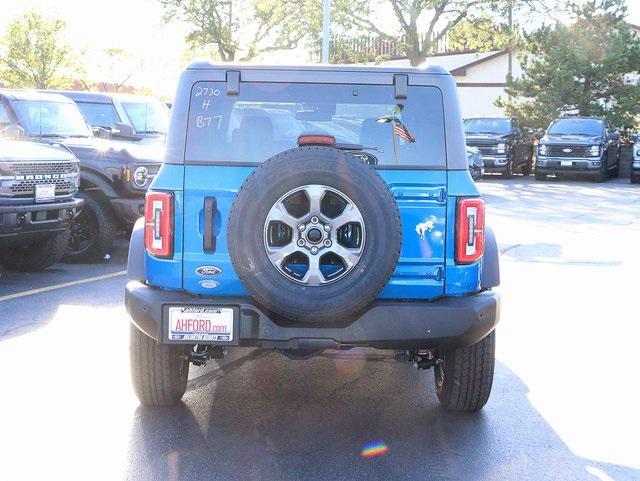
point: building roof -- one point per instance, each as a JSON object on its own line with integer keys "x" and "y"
{"x": 456, "y": 63}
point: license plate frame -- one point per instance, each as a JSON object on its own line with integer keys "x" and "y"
{"x": 220, "y": 315}
{"x": 45, "y": 193}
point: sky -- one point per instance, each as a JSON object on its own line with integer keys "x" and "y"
{"x": 135, "y": 26}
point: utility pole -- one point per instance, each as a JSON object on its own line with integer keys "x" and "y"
{"x": 326, "y": 12}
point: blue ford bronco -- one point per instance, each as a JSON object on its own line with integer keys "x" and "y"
{"x": 310, "y": 208}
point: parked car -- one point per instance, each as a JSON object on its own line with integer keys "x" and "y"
{"x": 135, "y": 118}
{"x": 113, "y": 175}
{"x": 37, "y": 204}
{"x": 253, "y": 238}
{"x": 585, "y": 146}
{"x": 475, "y": 163}
{"x": 506, "y": 148}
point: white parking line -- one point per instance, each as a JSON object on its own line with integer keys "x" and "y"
{"x": 61, "y": 286}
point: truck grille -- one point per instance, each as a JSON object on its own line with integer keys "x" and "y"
{"x": 485, "y": 149}
{"x": 574, "y": 150}
{"x": 18, "y": 179}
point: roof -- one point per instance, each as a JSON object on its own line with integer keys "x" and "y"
{"x": 15, "y": 94}
{"x": 430, "y": 69}
{"x": 456, "y": 63}
{"x": 99, "y": 97}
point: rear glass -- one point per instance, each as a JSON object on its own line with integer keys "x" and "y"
{"x": 267, "y": 118}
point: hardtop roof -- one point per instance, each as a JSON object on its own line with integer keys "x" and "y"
{"x": 19, "y": 94}
{"x": 429, "y": 69}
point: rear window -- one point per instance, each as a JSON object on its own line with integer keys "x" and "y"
{"x": 267, "y": 118}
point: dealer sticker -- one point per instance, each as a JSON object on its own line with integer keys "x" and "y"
{"x": 189, "y": 323}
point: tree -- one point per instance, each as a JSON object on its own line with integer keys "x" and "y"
{"x": 479, "y": 35}
{"x": 585, "y": 65}
{"x": 420, "y": 24}
{"x": 36, "y": 56}
{"x": 119, "y": 66}
{"x": 247, "y": 27}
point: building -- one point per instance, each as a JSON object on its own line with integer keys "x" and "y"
{"x": 481, "y": 77}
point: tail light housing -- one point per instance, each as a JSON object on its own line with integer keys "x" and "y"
{"x": 158, "y": 224}
{"x": 316, "y": 139}
{"x": 469, "y": 230}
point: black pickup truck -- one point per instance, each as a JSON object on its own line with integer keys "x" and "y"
{"x": 585, "y": 146}
{"x": 506, "y": 147}
{"x": 37, "y": 204}
{"x": 114, "y": 175}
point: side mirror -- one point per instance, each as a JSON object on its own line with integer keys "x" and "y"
{"x": 123, "y": 131}
{"x": 614, "y": 136}
{"x": 101, "y": 132}
{"x": 13, "y": 132}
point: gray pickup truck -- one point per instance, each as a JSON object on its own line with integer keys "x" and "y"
{"x": 37, "y": 205}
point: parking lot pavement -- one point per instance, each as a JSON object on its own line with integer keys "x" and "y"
{"x": 564, "y": 404}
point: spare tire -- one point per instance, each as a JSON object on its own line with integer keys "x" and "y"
{"x": 314, "y": 234}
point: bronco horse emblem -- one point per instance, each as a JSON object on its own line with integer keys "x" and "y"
{"x": 426, "y": 226}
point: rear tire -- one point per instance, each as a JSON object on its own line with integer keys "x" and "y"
{"x": 635, "y": 179}
{"x": 540, "y": 176}
{"x": 158, "y": 371}
{"x": 92, "y": 232}
{"x": 464, "y": 376}
{"x": 38, "y": 255}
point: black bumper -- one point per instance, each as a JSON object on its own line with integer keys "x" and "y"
{"x": 446, "y": 322}
{"x": 128, "y": 210}
{"x": 32, "y": 221}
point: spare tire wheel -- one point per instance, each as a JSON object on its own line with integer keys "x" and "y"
{"x": 314, "y": 234}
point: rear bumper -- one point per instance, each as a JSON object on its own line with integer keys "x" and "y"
{"x": 446, "y": 322}
{"x": 32, "y": 221}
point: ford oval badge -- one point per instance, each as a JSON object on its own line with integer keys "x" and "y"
{"x": 208, "y": 271}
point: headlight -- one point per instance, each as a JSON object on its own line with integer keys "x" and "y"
{"x": 501, "y": 148}
{"x": 140, "y": 176}
{"x": 542, "y": 149}
{"x": 594, "y": 150}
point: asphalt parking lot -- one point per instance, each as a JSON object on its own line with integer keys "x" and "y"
{"x": 564, "y": 404}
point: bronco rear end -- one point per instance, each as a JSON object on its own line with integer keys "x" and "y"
{"x": 312, "y": 208}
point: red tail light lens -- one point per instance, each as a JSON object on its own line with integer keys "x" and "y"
{"x": 158, "y": 226}
{"x": 316, "y": 140}
{"x": 469, "y": 230}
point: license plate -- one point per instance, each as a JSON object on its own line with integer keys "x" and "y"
{"x": 45, "y": 192}
{"x": 566, "y": 163}
{"x": 188, "y": 323}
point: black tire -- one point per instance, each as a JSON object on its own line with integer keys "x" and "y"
{"x": 92, "y": 231}
{"x": 36, "y": 256}
{"x": 527, "y": 167}
{"x": 464, "y": 377}
{"x": 508, "y": 172}
{"x": 159, "y": 372}
{"x": 635, "y": 179}
{"x": 540, "y": 176}
{"x": 360, "y": 183}
{"x": 603, "y": 175}
{"x": 615, "y": 172}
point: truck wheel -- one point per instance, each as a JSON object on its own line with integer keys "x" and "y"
{"x": 635, "y": 179}
{"x": 508, "y": 173}
{"x": 158, "y": 371}
{"x": 314, "y": 234}
{"x": 39, "y": 255}
{"x": 540, "y": 176}
{"x": 463, "y": 376}
{"x": 92, "y": 231}
{"x": 615, "y": 172}
{"x": 602, "y": 175}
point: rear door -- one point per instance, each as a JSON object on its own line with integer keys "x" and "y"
{"x": 230, "y": 135}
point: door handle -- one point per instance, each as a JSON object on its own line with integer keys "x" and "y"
{"x": 210, "y": 208}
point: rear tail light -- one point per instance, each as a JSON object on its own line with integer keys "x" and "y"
{"x": 469, "y": 230}
{"x": 158, "y": 224}
{"x": 316, "y": 139}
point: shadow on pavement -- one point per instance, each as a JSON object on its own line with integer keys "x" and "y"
{"x": 281, "y": 420}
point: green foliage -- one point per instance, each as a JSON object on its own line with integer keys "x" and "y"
{"x": 584, "y": 65}
{"x": 35, "y": 55}
{"x": 241, "y": 30}
{"x": 479, "y": 35}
